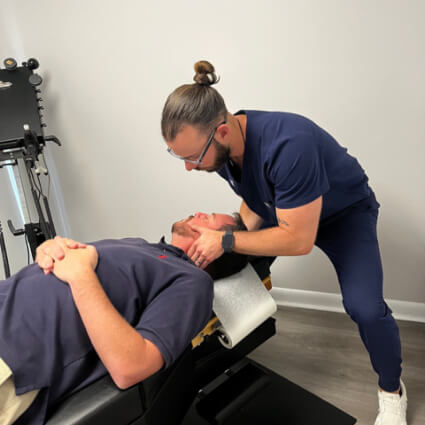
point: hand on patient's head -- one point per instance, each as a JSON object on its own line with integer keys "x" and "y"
{"x": 52, "y": 250}
{"x": 206, "y": 247}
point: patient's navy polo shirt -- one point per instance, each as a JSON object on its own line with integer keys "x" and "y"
{"x": 288, "y": 162}
{"x": 155, "y": 287}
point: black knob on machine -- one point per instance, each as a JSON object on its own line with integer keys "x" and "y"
{"x": 10, "y": 64}
{"x": 32, "y": 64}
{"x": 35, "y": 80}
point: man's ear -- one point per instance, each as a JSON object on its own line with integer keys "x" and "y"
{"x": 223, "y": 130}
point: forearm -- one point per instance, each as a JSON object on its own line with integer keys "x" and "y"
{"x": 274, "y": 241}
{"x": 121, "y": 348}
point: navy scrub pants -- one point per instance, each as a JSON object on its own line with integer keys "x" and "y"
{"x": 350, "y": 241}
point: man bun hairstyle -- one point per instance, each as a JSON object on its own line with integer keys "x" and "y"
{"x": 197, "y": 104}
{"x": 205, "y": 74}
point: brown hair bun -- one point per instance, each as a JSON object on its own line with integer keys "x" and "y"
{"x": 205, "y": 74}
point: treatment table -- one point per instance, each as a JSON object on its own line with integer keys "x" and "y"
{"x": 208, "y": 384}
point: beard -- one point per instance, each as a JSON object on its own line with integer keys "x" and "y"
{"x": 180, "y": 229}
{"x": 222, "y": 157}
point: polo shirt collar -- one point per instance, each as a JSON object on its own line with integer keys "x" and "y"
{"x": 175, "y": 250}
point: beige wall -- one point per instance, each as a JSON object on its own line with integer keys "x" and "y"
{"x": 354, "y": 67}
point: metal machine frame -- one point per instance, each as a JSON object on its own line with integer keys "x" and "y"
{"x": 22, "y": 141}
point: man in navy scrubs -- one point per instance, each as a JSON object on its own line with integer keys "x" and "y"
{"x": 299, "y": 188}
{"x": 124, "y": 307}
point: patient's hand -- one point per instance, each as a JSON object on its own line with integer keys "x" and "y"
{"x": 76, "y": 264}
{"x": 52, "y": 250}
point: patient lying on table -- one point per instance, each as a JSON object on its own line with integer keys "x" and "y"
{"x": 124, "y": 307}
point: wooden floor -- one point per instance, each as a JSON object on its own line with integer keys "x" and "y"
{"x": 322, "y": 352}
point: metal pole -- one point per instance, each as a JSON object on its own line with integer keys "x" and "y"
{"x": 4, "y": 254}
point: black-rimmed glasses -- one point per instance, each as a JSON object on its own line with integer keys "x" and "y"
{"x": 204, "y": 151}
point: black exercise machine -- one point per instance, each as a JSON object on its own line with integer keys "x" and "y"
{"x": 22, "y": 141}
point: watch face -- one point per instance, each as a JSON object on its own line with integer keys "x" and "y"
{"x": 227, "y": 241}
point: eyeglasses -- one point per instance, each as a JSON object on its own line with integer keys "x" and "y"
{"x": 204, "y": 151}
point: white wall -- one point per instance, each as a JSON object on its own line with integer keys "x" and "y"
{"x": 355, "y": 67}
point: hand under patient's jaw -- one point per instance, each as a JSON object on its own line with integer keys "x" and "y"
{"x": 183, "y": 235}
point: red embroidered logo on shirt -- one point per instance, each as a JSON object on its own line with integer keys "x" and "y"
{"x": 162, "y": 256}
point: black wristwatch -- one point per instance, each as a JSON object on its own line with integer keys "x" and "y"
{"x": 228, "y": 241}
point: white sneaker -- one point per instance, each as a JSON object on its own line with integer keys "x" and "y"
{"x": 392, "y": 407}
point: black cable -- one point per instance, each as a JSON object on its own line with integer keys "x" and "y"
{"x": 28, "y": 250}
{"x": 38, "y": 188}
{"x": 48, "y": 175}
{"x": 4, "y": 254}
{"x": 40, "y": 185}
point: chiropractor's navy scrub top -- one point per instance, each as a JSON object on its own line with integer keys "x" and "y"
{"x": 155, "y": 287}
{"x": 290, "y": 161}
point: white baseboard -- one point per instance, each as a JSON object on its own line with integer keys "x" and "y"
{"x": 402, "y": 310}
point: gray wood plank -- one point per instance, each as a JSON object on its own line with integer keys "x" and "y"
{"x": 322, "y": 352}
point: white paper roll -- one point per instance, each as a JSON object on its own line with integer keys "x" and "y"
{"x": 241, "y": 303}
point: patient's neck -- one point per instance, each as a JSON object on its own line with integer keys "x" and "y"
{"x": 182, "y": 242}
